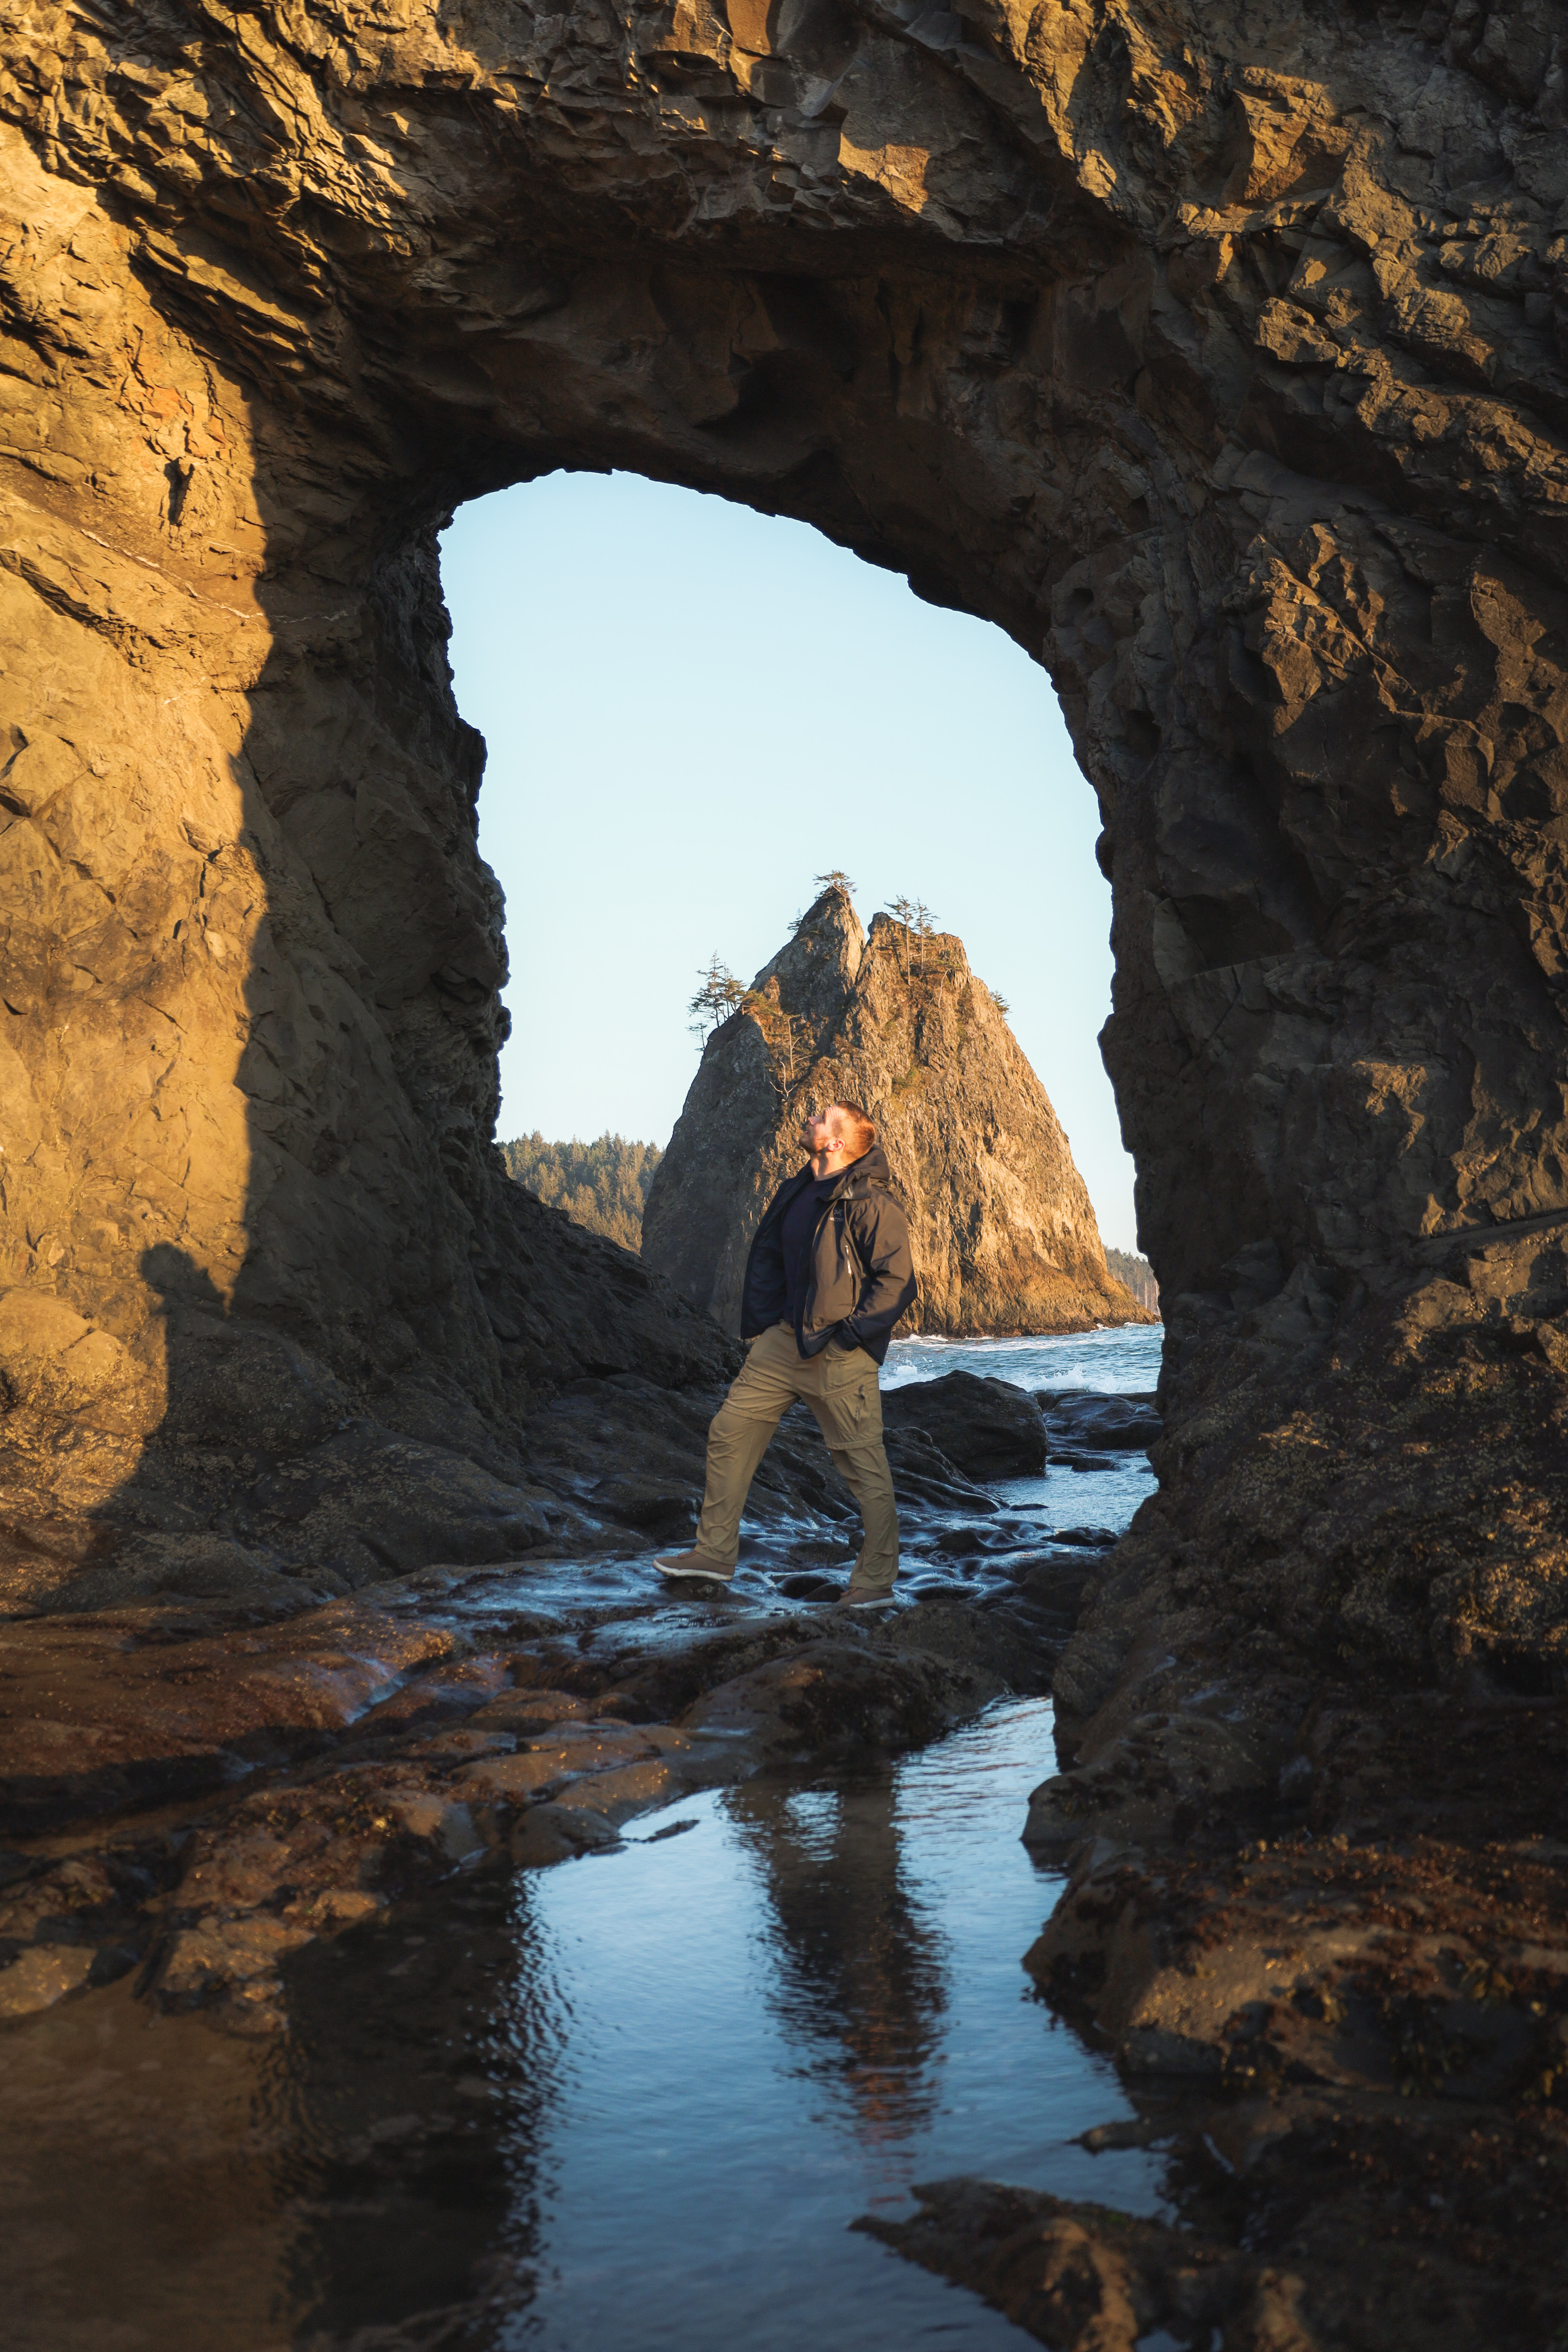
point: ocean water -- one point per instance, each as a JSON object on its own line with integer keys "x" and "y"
{"x": 1116, "y": 1363}
{"x": 1105, "y": 1489}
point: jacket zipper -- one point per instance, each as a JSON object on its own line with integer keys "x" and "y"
{"x": 834, "y": 1202}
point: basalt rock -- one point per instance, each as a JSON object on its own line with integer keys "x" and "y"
{"x": 1281, "y": 2261}
{"x": 1107, "y": 1424}
{"x": 1216, "y": 353}
{"x": 989, "y": 1428}
{"x": 1003, "y": 1231}
{"x": 1081, "y": 2278}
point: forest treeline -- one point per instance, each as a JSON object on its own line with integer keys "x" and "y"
{"x": 1138, "y": 1275}
{"x": 602, "y": 1186}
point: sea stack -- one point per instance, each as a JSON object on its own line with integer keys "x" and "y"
{"x": 1005, "y": 1236}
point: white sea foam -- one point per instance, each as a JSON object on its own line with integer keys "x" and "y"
{"x": 1112, "y": 1361}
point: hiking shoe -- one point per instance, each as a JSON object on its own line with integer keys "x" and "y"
{"x": 690, "y": 1568}
{"x": 865, "y": 1596}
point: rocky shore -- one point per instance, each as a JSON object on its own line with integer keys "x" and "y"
{"x": 1324, "y": 1934}
{"x": 1317, "y": 1907}
{"x": 1217, "y": 354}
{"x": 195, "y": 1787}
{"x": 1336, "y": 1988}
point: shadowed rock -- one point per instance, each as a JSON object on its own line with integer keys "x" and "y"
{"x": 1216, "y": 353}
{"x": 1082, "y": 1417}
{"x": 334, "y": 1763}
{"x": 989, "y": 1428}
{"x": 1085, "y": 2278}
{"x": 1081, "y": 2278}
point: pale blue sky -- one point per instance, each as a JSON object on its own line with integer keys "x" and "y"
{"x": 691, "y": 710}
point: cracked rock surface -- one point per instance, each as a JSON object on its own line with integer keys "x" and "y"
{"x": 196, "y": 1793}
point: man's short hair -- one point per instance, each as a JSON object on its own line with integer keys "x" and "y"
{"x": 858, "y": 1130}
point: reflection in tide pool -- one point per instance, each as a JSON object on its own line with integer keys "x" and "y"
{"x": 786, "y": 2016}
{"x": 629, "y": 2104}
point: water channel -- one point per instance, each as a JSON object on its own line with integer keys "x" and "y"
{"x": 632, "y": 2103}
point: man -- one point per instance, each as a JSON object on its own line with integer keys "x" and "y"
{"x": 829, "y": 1275}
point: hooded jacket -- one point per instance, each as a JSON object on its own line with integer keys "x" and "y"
{"x": 862, "y": 1275}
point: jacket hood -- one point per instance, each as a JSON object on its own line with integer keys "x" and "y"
{"x": 872, "y": 1165}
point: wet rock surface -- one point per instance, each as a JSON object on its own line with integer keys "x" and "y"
{"x": 1461, "y": 2253}
{"x": 199, "y": 1785}
{"x": 1218, "y": 357}
{"x": 1332, "y": 1964}
{"x": 1354, "y": 2044}
{"x": 1340, "y": 1999}
{"x": 1084, "y": 2278}
{"x": 1080, "y": 1418}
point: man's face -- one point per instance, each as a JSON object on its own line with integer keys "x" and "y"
{"x": 817, "y": 1131}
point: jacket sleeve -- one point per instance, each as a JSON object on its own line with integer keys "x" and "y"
{"x": 882, "y": 1238}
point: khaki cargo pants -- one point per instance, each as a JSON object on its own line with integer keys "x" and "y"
{"x": 840, "y": 1387}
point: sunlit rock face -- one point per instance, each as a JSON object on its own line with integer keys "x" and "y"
{"x": 1216, "y": 353}
{"x": 1001, "y": 1225}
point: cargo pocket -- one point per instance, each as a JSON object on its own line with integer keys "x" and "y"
{"x": 851, "y": 1394}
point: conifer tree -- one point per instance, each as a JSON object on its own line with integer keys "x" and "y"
{"x": 719, "y": 993}
{"x": 924, "y": 927}
{"x": 902, "y": 911}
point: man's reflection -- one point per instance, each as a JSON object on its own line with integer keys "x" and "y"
{"x": 860, "y": 1979}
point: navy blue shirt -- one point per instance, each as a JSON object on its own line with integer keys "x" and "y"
{"x": 795, "y": 1234}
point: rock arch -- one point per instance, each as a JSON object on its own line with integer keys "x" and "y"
{"x": 1216, "y": 354}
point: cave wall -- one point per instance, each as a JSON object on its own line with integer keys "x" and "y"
{"x": 1217, "y": 354}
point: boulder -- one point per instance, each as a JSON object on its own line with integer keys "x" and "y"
{"x": 1087, "y": 1418}
{"x": 988, "y": 1428}
{"x": 836, "y": 1698}
{"x": 924, "y": 1475}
